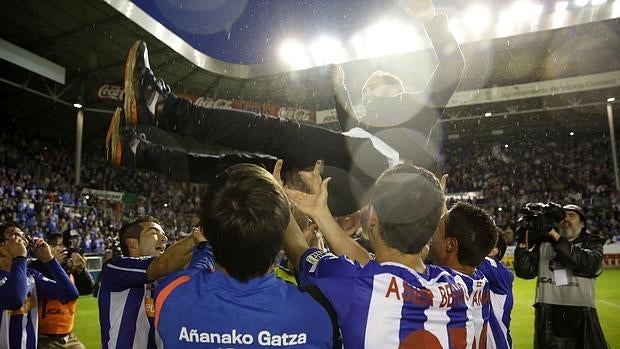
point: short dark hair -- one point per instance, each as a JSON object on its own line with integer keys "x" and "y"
{"x": 475, "y": 231}
{"x": 132, "y": 230}
{"x": 5, "y": 226}
{"x": 244, "y": 215}
{"x": 409, "y": 202}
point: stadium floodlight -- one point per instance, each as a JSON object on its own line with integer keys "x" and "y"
{"x": 500, "y": 209}
{"x": 477, "y": 18}
{"x": 611, "y": 99}
{"x": 487, "y": 114}
{"x": 386, "y": 37}
{"x": 526, "y": 10}
{"x": 581, "y": 3}
{"x": 506, "y": 146}
{"x": 326, "y": 50}
{"x": 572, "y": 133}
{"x": 561, "y": 6}
{"x": 78, "y": 105}
{"x": 505, "y": 27}
{"x": 598, "y": 2}
{"x": 294, "y": 54}
{"x": 560, "y": 14}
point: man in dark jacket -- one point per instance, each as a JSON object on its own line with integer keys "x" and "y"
{"x": 566, "y": 263}
{"x": 395, "y": 128}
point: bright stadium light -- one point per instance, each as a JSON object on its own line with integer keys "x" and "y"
{"x": 561, "y": 6}
{"x": 611, "y": 99}
{"x": 385, "y": 38}
{"x": 505, "y": 26}
{"x": 560, "y": 14}
{"x": 477, "y": 18}
{"x": 581, "y": 3}
{"x": 294, "y": 54}
{"x": 326, "y": 50}
{"x": 456, "y": 30}
{"x": 572, "y": 133}
{"x": 487, "y": 114}
{"x": 526, "y": 10}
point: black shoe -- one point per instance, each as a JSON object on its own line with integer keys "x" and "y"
{"x": 119, "y": 141}
{"x": 143, "y": 91}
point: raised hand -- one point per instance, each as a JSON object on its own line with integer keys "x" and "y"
{"x": 78, "y": 262}
{"x": 442, "y": 184}
{"x": 421, "y": 10}
{"x": 15, "y": 247}
{"x": 277, "y": 172}
{"x": 312, "y": 179}
{"x": 337, "y": 76}
{"x": 310, "y": 204}
{"x": 61, "y": 255}
{"x": 198, "y": 235}
{"x": 42, "y": 250}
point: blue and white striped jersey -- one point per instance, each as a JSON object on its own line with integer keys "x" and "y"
{"x": 19, "y": 290}
{"x": 388, "y": 305}
{"x": 500, "y": 282}
{"x": 126, "y": 306}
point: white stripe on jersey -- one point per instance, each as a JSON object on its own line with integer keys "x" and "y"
{"x": 117, "y": 307}
{"x": 475, "y": 323}
{"x": 383, "y": 326}
{"x": 33, "y": 315}
{"x": 440, "y": 319}
{"x": 110, "y": 265}
{"x": 498, "y": 301}
{"x": 4, "y": 326}
{"x": 141, "y": 338}
{"x": 24, "y": 340}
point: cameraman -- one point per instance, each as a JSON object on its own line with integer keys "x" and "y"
{"x": 56, "y": 317}
{"x": 566, "y": 260}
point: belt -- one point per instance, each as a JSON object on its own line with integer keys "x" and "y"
{"x": 61, "y": 338}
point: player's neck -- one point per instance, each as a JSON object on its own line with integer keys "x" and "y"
{"x": 413, "y": 261}
{"x": 464, "y": 269}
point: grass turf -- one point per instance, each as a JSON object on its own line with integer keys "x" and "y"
{"x": 522, "y": 326}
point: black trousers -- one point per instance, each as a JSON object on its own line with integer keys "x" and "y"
{"x": 353, "y": 163}
{"x": 567, "y": 327}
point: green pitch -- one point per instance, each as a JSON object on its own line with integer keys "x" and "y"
{"x": 522, "y": 327}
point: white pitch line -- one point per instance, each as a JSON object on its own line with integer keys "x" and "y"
{"x": 614, "y": 305}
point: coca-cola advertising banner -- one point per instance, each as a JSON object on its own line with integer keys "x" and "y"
{"x": 115, "y": 92}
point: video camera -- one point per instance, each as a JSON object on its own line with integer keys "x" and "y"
{"x": 538, "y": 219}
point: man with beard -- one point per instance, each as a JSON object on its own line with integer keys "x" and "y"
{"x": 566, "y": 263}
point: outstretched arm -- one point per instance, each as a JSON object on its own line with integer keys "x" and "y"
{"x": 175, "y": 258}
{"x": 451, "y": 63}
{"x": 314, "y": 204}
{"x": 61, "y": 286}
{"x": 342, "y": 99}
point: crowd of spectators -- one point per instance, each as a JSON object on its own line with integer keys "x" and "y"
{"x": 507, "y": 174}
{"x": 37, "y": 190}
{"x": 37, "y": 186}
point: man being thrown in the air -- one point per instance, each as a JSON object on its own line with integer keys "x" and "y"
{"x": 354, "y": 159}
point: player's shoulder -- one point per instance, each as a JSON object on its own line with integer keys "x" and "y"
{"x": 129, "y": 264}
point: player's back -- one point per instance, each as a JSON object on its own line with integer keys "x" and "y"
{"x": 210, "y": 309}
{"x": 388, "y": 305}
